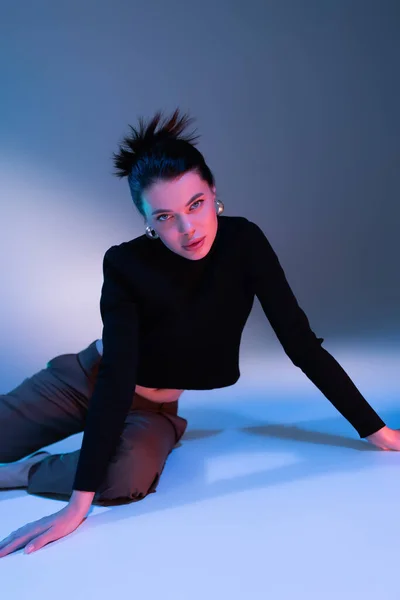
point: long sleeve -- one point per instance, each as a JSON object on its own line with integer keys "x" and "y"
{"x": 116, "y": 381}
{"x": 299, "y": 342}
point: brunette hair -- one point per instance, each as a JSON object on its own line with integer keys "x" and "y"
{"x": 147, "y": 156}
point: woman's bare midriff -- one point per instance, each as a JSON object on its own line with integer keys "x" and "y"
{"x": 158, "y": 394}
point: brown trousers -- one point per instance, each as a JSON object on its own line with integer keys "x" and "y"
{"x": 52, "y": 405}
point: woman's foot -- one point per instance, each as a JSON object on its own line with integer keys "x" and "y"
{"x": 15, "y": 475}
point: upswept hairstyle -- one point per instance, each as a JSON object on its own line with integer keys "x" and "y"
{"x": 147, "y": 156}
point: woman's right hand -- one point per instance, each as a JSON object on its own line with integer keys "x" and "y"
{"x": 39, "y": 533}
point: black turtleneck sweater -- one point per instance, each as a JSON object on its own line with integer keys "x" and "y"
{"x": 155, "y": 304}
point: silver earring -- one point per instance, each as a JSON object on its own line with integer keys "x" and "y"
{"x": 220, "y": 207}
{"x": 151, "y": 233}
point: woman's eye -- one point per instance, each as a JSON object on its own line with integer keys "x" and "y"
{"x": 197, "y": 202}
{"x": 164, "y": 220}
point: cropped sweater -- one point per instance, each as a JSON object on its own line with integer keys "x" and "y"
{"x": 156, "y": 306}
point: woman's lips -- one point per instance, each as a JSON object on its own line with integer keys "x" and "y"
{"x": 196, "y": 245}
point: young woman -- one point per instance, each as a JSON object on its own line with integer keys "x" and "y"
{"x": 174, "y": 303}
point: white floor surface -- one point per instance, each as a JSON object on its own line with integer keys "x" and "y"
{"x": 271, "y": 494}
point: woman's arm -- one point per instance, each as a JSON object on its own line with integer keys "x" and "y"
{"x": 80, "y": 502}
{"x": 300, "y": 343}
{"x": 114, "y": 388}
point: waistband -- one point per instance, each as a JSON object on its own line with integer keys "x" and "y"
{"x": 89, "y": 359}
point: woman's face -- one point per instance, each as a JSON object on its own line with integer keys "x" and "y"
{"x": 182, "y": 211}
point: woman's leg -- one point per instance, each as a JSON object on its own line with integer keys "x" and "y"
{"x": 52, "y": 405}
{"x": 45, "y": 408}
{"x": 150, "y": 433}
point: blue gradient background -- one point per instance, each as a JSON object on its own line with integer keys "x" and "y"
{"x": 297, "y": 104}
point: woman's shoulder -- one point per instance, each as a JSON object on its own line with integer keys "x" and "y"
{"x": 130, "y": 248}
{"x": 234, "y": 223}
{"x": 240, "y": 225}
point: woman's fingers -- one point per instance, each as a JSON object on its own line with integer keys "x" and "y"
{"x": 39, "y": 533}
{"x": 19, "y": 539}
{"x": 18, "y": 534}
{"x": 61, "y": 527}
{"x": 41, "y": 541}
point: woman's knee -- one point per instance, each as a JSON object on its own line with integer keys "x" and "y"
{"x": 67, "y": 369}
{"x": 133, "y": 474}
{"x": 129, "y": 486}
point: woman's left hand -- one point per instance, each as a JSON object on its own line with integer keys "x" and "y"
{"x": 386, "y": 439}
